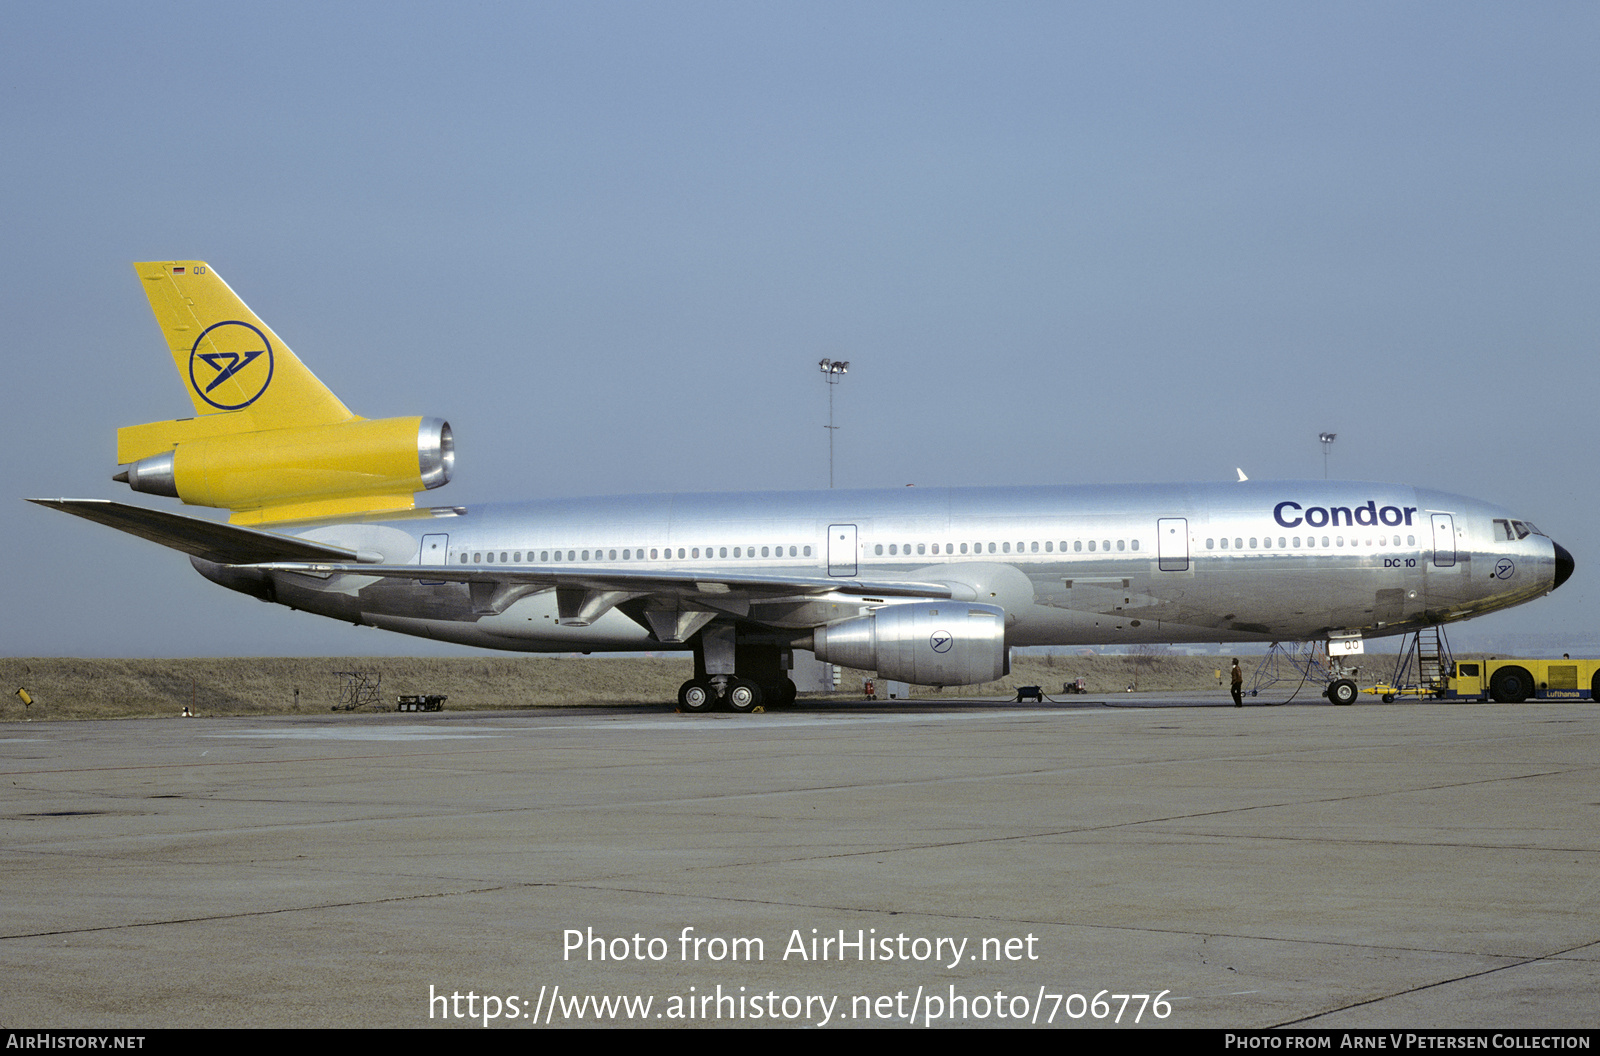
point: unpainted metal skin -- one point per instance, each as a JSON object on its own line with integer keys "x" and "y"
{"x": 926, "y": 585}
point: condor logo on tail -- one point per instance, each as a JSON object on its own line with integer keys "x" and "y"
{"x": 225, "y": 352}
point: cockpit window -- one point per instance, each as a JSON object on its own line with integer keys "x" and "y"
{"x": 1504, "y": 529}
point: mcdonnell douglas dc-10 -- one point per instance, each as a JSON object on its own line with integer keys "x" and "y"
{"x": 931, "y": 586}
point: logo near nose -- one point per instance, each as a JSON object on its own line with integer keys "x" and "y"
{"x": 230, "y": 365}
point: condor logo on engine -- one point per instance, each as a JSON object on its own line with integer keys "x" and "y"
{"x": 1293, "y": 515}
{"x": 940, "y": 641}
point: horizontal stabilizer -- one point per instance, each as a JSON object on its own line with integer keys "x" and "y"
{"x": 225, "y": 544}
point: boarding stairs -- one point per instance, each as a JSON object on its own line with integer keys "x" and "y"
{"x": 1424, "y": 664}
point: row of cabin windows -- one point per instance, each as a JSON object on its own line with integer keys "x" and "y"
{"x": 895, "y": 549}
{"x": 545, "y": 557}
{"x": 1285, "y": 543}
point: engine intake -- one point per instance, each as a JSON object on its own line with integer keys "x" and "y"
{"x": 942, "y": 643}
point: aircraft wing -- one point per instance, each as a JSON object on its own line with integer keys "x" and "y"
{"x": 672, "y": 603}
{"x": 583, "y": 593}
{"x": 631, "y": 580}
{"x": 226, "y": 544}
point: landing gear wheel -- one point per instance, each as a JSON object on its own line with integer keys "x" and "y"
{"x": 743, "y": 695}
{"x": 1343, "y": 692}
{"x": 696, "y": 697}
{"x": 1511, "y": 685}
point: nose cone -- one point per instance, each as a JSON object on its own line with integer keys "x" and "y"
{"x": 1564, "y": 564}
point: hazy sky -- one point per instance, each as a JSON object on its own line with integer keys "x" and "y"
{"x": 1058, "y": 242}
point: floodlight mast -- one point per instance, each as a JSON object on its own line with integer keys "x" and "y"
{"x": 1327, "y": 442}
{"x": 832, "y": 371}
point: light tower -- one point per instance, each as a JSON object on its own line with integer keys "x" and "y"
{"x": 1327, "y": 442}
{"x": 832, "y": 370}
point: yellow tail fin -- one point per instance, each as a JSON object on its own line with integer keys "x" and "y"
{"x": 240, "y": 376}
{"x": 269, "y": 441}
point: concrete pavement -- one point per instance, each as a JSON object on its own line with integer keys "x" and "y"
{"x": 1409, "y": 865}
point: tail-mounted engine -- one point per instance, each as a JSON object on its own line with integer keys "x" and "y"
{"x": 302, "y": 472}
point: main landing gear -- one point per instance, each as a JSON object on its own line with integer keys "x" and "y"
{"x": 738, "y": 694}
{"x": 739, "y": 675}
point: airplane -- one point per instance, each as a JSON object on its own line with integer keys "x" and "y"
{"x": 931, "y": 586}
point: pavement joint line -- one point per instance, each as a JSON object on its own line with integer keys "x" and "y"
{"x": 1521, "y": 963}
{"x": 1095, "y": 927}
{"x": 729, "y": 796}
{"x": 1517, "y": 960}
{"x": 245, "y": 914}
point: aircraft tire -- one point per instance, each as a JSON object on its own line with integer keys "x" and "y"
{"x": 1594, "y": 687}
{"x": 696, "y": 697}
{"x": 1511, "y": 685}
{"x": 1343, "y": 692}
{"x": 744, "y": 695}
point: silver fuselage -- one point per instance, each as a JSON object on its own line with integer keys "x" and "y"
{"x": 1093, "y": 565}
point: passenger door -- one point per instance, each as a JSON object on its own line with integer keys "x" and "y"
{"x": 1172, "y": 544}
{"x": 435, "y": 551}
{"x": 841, "y": 549}
{"x": 1444, "y": 540}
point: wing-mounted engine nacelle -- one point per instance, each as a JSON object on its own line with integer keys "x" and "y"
{"x": 304, "y": 472}
{"x": 941, "y": 643}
